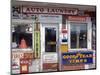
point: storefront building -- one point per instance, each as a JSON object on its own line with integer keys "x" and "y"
{"x": 50, "y": 37}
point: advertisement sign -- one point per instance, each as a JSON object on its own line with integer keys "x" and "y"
{"x": 50, "y": 58}
{"x": 77, "y": 18}
{"x": 64, "y": 48}
{"x": 77, "y": 58}
{"x": 37, "y": 43}
{"x": 31, "y": 10}
{"x": 37, "y": 38}
{"x": 19, "y": 12}
{"x": 24, "y": 65}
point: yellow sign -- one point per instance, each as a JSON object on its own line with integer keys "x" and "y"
{"x": 37, "y": 43}
{"x": 64, "y": 48}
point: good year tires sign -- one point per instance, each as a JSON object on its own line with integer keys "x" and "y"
{"x": 77, "y": 58}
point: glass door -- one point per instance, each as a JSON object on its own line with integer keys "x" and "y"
{"x": 50, "y": 39}
{"x": 50, "y": 36}
{"x": 49, "y": 50}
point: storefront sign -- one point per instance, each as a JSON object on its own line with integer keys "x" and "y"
{"x": 68, "y": 11}
{"x": 77, "y": 58}
{"x": 76, "y": 18}
{"x": 32, "y": 10}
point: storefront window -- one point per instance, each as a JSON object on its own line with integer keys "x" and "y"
{"x": 50, "y": 39}
{"x": 78, "y": 35}
{"x": 22, "y": 35}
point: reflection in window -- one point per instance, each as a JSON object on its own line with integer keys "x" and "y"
{"x": 20, "y": 32}
{"x": 78, "y": 35}
{"x": 50, "y": 40}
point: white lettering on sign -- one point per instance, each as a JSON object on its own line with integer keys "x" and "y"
{"x": 31, "y": 10}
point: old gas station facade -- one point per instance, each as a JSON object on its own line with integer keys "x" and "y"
{"x": 50, "y": 37}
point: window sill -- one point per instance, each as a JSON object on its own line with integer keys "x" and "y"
{"x": 80, "y": 49}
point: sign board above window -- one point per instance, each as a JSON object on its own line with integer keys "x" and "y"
{"x": 45, "y": 10}
{"x": 77, "y": 18}
{"x": 50, "y": 10}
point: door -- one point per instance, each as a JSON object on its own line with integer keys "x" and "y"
{"x": 49, "y": 50}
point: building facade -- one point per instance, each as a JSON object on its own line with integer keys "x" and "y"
{"x": 50, "y": 37}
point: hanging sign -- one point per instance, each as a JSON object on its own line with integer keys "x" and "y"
{"x": 77, "y": 58}
{"x": 37, "y": 43}
{"x": 32, "y": 10}
{"x": 37, "y": 38}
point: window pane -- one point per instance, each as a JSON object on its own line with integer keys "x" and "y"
{"x": 50, "y": 40}
{"x": 21, "y": 32}
{"x": 78, "y": 35}
{"x": 83, "y": 36}
{"x": 73, "y": 36}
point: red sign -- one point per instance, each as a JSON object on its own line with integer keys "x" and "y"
{"x": 23, "y": 68}
{"x": 77, "y": 18}
{"x": 24, "y": 65}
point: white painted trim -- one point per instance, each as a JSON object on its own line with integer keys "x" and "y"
{"x": 89, "y": 35}
{"x": 42, "y": 29}
{"x": 20, "y": 21}
{"x": 49, "y": 25}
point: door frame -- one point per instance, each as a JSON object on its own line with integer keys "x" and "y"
{"x": 42, "y": 29}
{"x": 48, "y": 25}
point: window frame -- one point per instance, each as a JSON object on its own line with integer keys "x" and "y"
{"x": 22, "y": 22}
{"x": 89, "y": 35}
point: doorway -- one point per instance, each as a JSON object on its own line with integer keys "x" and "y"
{"x": 49, "y": 47}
